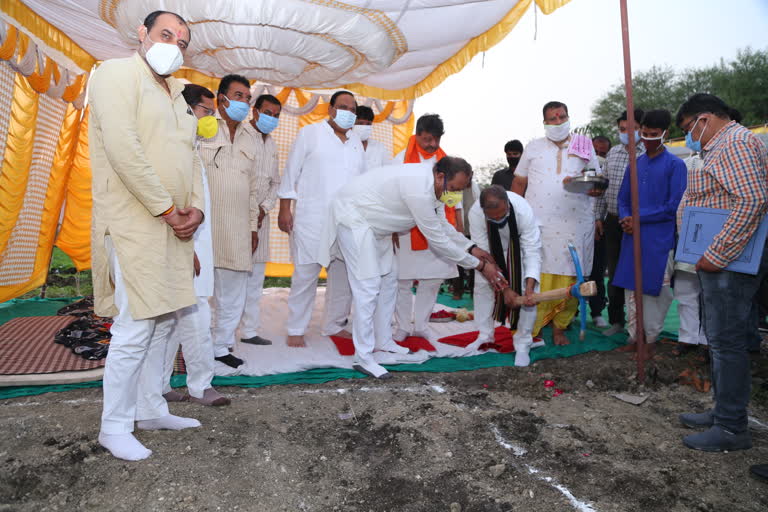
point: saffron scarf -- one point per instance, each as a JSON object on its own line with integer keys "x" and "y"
{"x": 414, "y": 155}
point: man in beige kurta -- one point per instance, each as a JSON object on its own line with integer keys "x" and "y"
{"x": 266, "y": 113}
{"x": 147, "y": 204}
{"x": 230, "y": 159}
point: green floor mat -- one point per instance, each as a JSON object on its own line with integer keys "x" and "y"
{"x": 32, "y": 307}
{"x": 595, "y": 342}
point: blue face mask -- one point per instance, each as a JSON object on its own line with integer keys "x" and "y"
{"x": 266, "y": 123}
{"x": 500, "y": 222}
{"x": 693, "y": 145}
{"x": 344, "y": 119}
{"x": 624, "y": 137}
{"x": 237, "y": 110}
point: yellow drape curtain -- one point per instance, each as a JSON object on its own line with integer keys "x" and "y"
{"x": 75, "y": 234}
{"x": 13, "y": 183}
{"x": 18, "y": 156}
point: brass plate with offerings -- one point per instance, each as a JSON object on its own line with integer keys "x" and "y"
{"x": 589, "y": 180}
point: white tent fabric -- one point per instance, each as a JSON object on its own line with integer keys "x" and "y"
{"x": 387, "y": 44}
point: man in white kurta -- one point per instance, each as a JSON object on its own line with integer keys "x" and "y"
{"x": 363, "y": 217}
{"x": 324, "y": 157}
{"x": 192, "y": 330}
{"x": 230, "y": 160}
{"x": 421, "y": 265}
{"x": 376, "y": 154}
{"x": 564, "y": 216}
{"x": 266, "y": 112}
{"x": 496, "y": 205}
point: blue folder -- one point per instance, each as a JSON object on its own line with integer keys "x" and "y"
{"x": 699, "y": 228}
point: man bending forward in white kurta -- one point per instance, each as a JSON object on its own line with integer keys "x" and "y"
{"x": 324, "y": 157}
{"x": 363, "y": 218}
{"x": 503, "y": 224}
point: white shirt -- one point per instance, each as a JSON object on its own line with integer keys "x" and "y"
{"x": 203, "y": 243}
{"x": 267, "y": 176}
{"x": 376, "y": 155}
{"x": 563, "y": 216}
{"x": 318, "y": 165}
{"x": 527, "y": 228}
{"x": 378, "y": 204}
{"x": 423, "y": 264}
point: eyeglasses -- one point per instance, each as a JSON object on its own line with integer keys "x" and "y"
{"x": 206, "y": 110}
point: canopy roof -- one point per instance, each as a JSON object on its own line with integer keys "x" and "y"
{"x": 388, "y": 49}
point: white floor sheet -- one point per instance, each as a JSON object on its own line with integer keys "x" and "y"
{"x": 320, "y": 351}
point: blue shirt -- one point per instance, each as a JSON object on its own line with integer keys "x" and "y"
{"x": 661, "y": 184}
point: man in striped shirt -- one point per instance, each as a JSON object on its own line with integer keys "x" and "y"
{"x": 607, "y": 215}
{"x": 734, "y": 177}
{"x": 230, "y": 160}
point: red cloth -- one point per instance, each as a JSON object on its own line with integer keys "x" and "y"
{"x": 412, "y": 343}
{"x": 502, "y": 340}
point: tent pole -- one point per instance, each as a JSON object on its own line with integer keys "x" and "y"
{"x": 639, "y": 330}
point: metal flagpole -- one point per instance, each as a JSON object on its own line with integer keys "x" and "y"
{"x": 639, "y": 330}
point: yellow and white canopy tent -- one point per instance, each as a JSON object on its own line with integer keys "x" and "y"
{"x": 388, "y": 52}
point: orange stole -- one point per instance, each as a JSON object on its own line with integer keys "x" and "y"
{"x": 413, "y": 155}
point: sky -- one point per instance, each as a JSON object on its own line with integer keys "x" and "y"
{"x": 575, "y": 58}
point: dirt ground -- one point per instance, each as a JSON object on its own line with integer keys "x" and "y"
{"x": 488, "y": 440}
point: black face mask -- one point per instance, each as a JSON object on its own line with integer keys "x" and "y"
{"x": 513, "y": 161}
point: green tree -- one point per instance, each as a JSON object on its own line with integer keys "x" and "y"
{"x": 742, "y": 83}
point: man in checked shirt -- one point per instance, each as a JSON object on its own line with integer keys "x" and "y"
{"x": 734, "y": 176}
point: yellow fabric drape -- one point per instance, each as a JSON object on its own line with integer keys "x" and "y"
{"x": 41, "y": 81}
{"x": 47, "y": 33}
{"x": 54, "y": 197}
{"x": 75, "y": 234}
{"x": 479, "y": 44}
{"x": 401, "y": 133}
{"x": 17, "y": 157}
{"x": 9, "y": 45}
{"x": 384, "y": 114}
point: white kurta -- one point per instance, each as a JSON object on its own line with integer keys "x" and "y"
{"x": 204, "y": 247}
{"x": 268, "y": 180}
{"x": 422, "y": 264}
{"x": 376, "y": 205}
{"x": 376, "y": 155}
{"x": 527, "y": 228}
{"x": 530, "y": 257}
{"x": 318, "y": 165}
{"x": 563, "y": 216}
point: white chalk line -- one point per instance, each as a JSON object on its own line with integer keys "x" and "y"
{"x": 373, "y": 389}
{"x": 519, "y": 451}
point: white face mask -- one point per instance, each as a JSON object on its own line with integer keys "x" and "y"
{"x": 164, "y": 58}
{"x": 557, "y": 132}
{"x": 663, "y": 134}
{"x": 363, "y": 131}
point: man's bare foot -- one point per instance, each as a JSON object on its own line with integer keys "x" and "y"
{"x": 559, "y": 337}
{"x": 296, "y": 341}
{"x": 632, "y": 347}
{"x": 343, "y": 334}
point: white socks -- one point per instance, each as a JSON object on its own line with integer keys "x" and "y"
{"x": 169, "y": 422}
{"x": 372, "y": 369}
{"x": 394, "y": 348}
{"x": 521, "y": 354}
{"x": 124, "y": 446}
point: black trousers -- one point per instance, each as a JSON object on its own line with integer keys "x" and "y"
{"x": 613, "y": 236}
{"x": 597, "y": 303}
